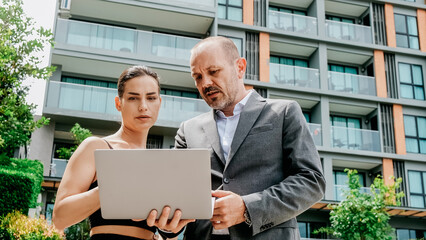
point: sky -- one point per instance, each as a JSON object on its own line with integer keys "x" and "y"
{"x": 43, "y": 13}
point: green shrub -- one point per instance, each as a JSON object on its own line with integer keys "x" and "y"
{"x": 79, "y": 231}
{"x": 20, "y": 184}
{"x": 19, "y": 226}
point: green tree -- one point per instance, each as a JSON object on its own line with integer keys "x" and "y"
{"x": 79, "y": 134}
{"x": 20, "y": 41}
{"x": 363, "y": 216}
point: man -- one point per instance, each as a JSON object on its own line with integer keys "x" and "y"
{"x": 262, "y": 153}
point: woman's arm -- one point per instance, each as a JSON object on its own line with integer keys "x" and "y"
{"x": 74, "y": 202}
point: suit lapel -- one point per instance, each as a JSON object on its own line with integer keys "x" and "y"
{"x": 210, "y": 130}
{"x": 248, "y": 117}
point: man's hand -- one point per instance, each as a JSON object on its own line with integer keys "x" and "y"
{"x": 174, "y": 225}
{"x": 228, "y": 209}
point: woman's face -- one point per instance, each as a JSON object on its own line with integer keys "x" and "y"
{"x": 140, "y": 103}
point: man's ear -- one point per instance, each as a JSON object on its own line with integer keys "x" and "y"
{"x": 117, "y": 103}
{"x": 241, "y": 67}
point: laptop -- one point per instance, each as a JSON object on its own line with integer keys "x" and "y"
{"x": 133, "y": 182}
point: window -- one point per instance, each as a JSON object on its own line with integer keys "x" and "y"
{"x": 408, "y": 234}
{"x": 290, "y": 71}
{"x": 179, "y": 93}
{"x": 154, "y": 142}
{"x": 306, "y": 229}
{"x": 289, "y": 61}
{"x": 342, "y": 69}
{"x": 88, "y": 82}
{"x": 417, "y": 184}
{"x": 341, "y": 183}
{"x": 231, "y": 10}
{"x": 238, "y": 43}
{"x": 415, "y": 134}
{"x": 340, "y": 19}
{"x": 406, "y": 31}
{"x": 345, "y": 133}
{"x": 411, "y": 81}
{"x": 307, "y": 116}
{"x": 287, "y": 10}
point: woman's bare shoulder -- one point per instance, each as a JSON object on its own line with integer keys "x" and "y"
{"x": 93, "y": 143}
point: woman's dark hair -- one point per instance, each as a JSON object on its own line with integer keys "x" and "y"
{"x": 135, "y": 71}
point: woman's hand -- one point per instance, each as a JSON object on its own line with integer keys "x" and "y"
{"x": 173, "y": 225}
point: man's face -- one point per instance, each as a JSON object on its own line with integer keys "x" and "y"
{"x": 215, "y": 75}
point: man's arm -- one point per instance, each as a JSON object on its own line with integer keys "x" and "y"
{"x": 305, "y": 184}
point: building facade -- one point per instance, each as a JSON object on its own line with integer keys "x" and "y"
{"x": 357, "y": 68}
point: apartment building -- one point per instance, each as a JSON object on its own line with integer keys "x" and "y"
{"x": 357, "y": 68}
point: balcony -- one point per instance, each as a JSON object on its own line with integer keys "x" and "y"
{"x": 348, "y": 31}
{"x": 67, "y": 99}
{"x": 109, "y": 40}
{"x": 339, "y": 191}
{"x": 292, "y": 23}
{"x": 57, "y": 167}
{"x": 294, "y": 76}
{"x": 355, "y": 139}
{"x": 352, "y": 83}
{"x": 316, "y": 133}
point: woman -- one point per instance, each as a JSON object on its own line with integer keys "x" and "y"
{"x": 139, "y": 102}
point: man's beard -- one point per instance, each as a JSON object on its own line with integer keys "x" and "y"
{"x": 217, "y": 104}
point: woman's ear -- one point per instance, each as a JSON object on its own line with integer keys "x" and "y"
{"x": 118, "y": 103}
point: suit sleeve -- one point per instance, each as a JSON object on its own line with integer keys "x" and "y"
{"x": 304, "y": 184}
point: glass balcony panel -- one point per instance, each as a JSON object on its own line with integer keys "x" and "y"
{"x": 356, "y": 139}
{"x": 292, "y": 22}
{"x": 57, "y": 167}
{"x": 138, "y": 43}
{"x": 100, "y": 100}
{"x": 351, "y": 83}
{"x": 294, "y": 76}
{"x": 316, "y": 133}
{"x": 339, "y": 191}
{"x": 348, "y": 31}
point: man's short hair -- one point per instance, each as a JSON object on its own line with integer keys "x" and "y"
{"x": 227, "y": 45}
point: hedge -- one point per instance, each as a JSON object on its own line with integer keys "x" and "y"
{"x": 20, "y": 184}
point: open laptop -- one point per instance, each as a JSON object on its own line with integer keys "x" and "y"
{"x": 133, "y": 182}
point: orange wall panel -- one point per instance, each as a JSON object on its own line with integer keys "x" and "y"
{"x": 264, "y": 57}
{"x": 398, "y": 120}
{"x": 248, "y": 12}
{"x": 421, "y": 21}
{"x": 380, "y": 74}
{"x": 390, "y": 25}
{"x": 248, "y": 87}
{"x": 388, "y": 171}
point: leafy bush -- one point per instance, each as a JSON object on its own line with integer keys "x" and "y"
{"x": 16, "y": 225}
{"x": 20, "y": 184}
{"x": 79, "y": 134}
{"x": 79, "y": 231}
{"x": 363, "y": 216}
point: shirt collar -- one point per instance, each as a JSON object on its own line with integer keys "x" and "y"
{"x": 238, "y": 108}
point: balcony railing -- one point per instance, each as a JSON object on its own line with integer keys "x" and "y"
{"x": 57, "y": 167}
{"x": 134, "y": 42}
{"x": 193, "y": 3}
{"x": 339, "y": 191}
{"x": 294, "y": 76}
{"x": 316, "y": 133}
{"x": 348, "y": 31}
{"x": 292, "y": 22}
{"x": 356, "y": 139}
{"x": 352, "y": 83}
{"x": 98, "y": 101}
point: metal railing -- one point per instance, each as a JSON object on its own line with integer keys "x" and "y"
{"x": 65, "y": 97}
{"x": 316, "y": 132}
{"x": 292, "y": 22}
{"x": 348, "y": 31}
{"x": 134, "y": 42}
{"x": 356, "y": 139}
{"x": 293, "y": 75}
{"x": 352, "y": 83}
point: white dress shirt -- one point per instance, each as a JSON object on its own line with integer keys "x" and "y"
{"x": 226, "y": 127}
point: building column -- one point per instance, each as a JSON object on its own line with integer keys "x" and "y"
{"x": 398, "y": 125}
{"x": 387, "y": 166}
{"x": 248, "y": 87}
{"x": 390, "y": 25}
{"x": 41, "y": 145}
{"x": 380, "y": 74}
{"x": 327, "y": 165}
{"x": 323, "y": 66}
{"x": 264, "y": 52}
{"x": 248, "y": 12}
{"x": 325, "y": 121}
{"x": 421, "y": 21}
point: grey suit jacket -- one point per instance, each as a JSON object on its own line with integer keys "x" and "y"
{"x": 273, "y": 164}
